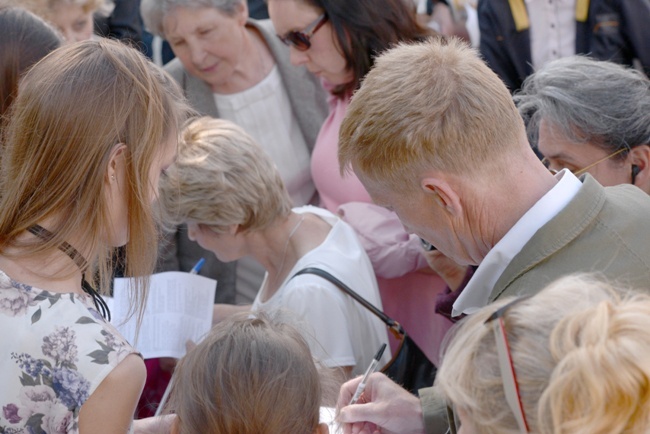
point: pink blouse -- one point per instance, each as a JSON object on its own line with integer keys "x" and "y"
{"x": 332, "y": 188}
{"x": 408, "y": 295}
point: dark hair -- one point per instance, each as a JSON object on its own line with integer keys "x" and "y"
{"x": 24, "y": 40}
{"x": 365, "y": 28}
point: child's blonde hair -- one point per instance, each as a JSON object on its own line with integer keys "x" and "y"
{"x": 222, "y": 177}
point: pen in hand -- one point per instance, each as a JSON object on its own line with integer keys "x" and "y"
{"x": 373, "y": 366}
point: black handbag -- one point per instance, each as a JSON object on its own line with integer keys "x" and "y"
{"x": 409, "y": 366}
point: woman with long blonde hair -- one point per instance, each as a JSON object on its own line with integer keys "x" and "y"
{"x": 92, "y": 129}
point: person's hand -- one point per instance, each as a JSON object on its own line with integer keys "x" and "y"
{"x": 452, "y": 273}
{"x": 383, "y": 407}
{"x": 168, "y": 364}
{"x": 154, "y": 425}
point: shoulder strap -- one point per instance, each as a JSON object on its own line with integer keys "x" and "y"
{"x": 365, "y": 303}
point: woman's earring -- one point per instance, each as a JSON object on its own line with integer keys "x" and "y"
{"x": 112, "y": 178}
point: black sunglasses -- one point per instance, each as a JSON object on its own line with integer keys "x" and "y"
{"x": 300, "y": 40}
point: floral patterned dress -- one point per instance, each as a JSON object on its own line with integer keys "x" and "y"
{"x": 55, "y": 349}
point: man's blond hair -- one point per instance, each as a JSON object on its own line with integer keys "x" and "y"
{"x": 430, "y": 105}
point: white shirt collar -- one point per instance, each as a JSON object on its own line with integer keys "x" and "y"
{"x": 477, "y": 292}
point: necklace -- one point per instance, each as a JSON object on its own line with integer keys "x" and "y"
{"x": 81, "y": 262}
{"x": 286, "y": 248}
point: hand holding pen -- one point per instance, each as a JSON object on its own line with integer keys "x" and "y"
{"x": 372, "y": 368}
{"x": 381, "y": 395}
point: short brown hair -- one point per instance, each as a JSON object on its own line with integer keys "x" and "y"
{"x": 251, "y": 374}
{"x": 432, "y": 105}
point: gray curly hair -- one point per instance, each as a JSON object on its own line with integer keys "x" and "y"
{"x": 589, "y": 101}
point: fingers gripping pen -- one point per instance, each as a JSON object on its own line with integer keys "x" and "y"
{"x": 372, "y": 368}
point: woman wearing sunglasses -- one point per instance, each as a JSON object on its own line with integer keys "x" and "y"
{"x": 337, "y": 41}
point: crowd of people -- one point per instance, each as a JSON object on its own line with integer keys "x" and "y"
{"x": 495, "y": 177}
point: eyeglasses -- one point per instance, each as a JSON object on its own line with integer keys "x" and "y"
{"x": 301, "y": 40}
{"x": 507, "y": 368}
{"x": 546, "y": 163}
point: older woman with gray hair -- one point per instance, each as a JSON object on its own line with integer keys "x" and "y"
{"x": 235, "y": 68}
{"x": 590, "y": 116}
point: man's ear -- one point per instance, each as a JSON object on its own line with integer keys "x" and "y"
{"x": 441, "y": 192}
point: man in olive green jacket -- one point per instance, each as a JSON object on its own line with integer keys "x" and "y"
{"x": 433, "y": 134}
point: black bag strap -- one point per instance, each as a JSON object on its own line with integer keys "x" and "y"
{"x": 394, "y": 325}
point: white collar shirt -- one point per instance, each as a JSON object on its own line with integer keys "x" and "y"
{"x": 477, "y": 292}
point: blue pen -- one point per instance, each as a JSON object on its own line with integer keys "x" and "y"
{"x": 198, "y": 266}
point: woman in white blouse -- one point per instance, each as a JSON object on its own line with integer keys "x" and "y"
{"x": 235, "y": 204}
